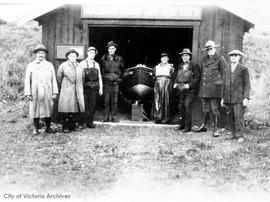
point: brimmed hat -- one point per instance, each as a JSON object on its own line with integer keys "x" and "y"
{"x": 111, "y": 43}
{"x": 72, "y": 50}
{"x": 210, "y": 44}
{"x": 40, "y": 47}
{"x": 164, "y": 54}
{"x": 186, "y": 51}
{"x": 92, "y": 48}
{"x": 236, "y": 52}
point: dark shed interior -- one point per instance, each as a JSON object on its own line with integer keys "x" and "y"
{"x": 140, "y": 45}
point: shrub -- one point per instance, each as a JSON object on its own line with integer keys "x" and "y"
{"x": 16, "y": 45}
{"x": 257, "y": 58}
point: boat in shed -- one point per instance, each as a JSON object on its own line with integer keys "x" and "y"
{"x": 138, "y": 83}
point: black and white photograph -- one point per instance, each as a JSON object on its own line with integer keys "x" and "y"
{"x": 135, "y": 101}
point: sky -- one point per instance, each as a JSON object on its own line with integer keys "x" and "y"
{"x": 257, "y": 12}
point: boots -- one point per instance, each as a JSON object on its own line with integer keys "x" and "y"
{"x": 48, "y": 125}
{"x": 216, "y": 132}
{"x": 115, "y": 119}
{"x": 203, "y": 128}
{"x": 181, "y": 124}
{"x": 65, "y": 126}
{"x": 36, "y": 126}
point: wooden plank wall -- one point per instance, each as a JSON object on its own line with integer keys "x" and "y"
{"x": 64, "y": 25}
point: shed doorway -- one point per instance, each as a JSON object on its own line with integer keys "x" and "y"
{"x": 139, "y": 45}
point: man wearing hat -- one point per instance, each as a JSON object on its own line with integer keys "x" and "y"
{"x": 40, "y": 88}
{"x": 92, "y": 85}
{"x": 112, "y": 68}
{"x": 71, "y": 101}
{"x": 162, "y": 89}
{"x": 236, "y": 93}
{"x": 187, "y": 78}
{"x": 211, "y": 86}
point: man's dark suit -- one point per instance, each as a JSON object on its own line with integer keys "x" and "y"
{"x": 236, "y": 88}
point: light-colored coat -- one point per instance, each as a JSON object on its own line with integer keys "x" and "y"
{"x": 40, "y": 83}
{"x": 71, "y": 95}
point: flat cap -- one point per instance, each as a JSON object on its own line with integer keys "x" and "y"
{"x": 40, "y": 47}
{"x": 236, "y": 52}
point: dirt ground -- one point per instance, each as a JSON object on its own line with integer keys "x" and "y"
{"x": 129, "y": 163}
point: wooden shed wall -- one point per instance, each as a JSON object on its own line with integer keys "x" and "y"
{"x": 64, "y": 25}
{"x": 223, "y": 27}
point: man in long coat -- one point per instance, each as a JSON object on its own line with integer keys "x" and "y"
{"x": 40, "y": 88}
{"x": 236, "y": 93}
{"x": 71, "y": 100}
{"x": 211, "y": 86}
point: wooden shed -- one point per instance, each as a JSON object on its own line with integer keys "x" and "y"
{"x": 142, "y": 31}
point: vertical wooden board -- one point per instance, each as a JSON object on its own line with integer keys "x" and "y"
{"x": 236, "y": 26}
{"x": 240, "y": 33}
{"x": 70, "y": 24}
{"x": 206, "y": 29}
{"x": 58, "y": 26}
{"x": 65, "y": 19}
{"x": 85, "y": 36}
{"x": 195, "y": 43}
{"x": 77, "y": 27}
{"x": 45, "y": 32}
{"x": 226, "y": 33}
{"x": 218, "y": 29}
{"x": 51, "y": 37}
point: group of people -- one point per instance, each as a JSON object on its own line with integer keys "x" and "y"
{"x": 216, "y": 82}
{"x": 80, "y": 83}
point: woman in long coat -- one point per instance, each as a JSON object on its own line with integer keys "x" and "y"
{"x": 40, "y": 88}
{"x": 162, "y": 90}
{"x": 71, "y": 101}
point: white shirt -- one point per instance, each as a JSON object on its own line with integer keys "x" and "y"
{"x": 233, "y": 66}
{"x": 164, "y": 69}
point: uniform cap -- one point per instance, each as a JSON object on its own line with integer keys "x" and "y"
{"x": 210, "y": 44}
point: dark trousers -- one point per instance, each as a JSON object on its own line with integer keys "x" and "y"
{"x": 185, "y": 100}
{"x": 90, "y": 95}
{"x": 110, "y": 100}
{"x": 236, "y": 116}
{"x": 211, "y": 104}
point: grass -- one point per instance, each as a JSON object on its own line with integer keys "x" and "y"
{"x": 109, "y": 158}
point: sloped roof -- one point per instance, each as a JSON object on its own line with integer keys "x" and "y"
{"x": 35, "y": 11}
